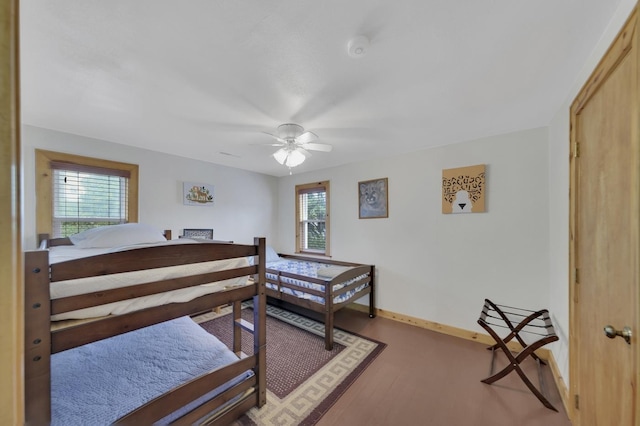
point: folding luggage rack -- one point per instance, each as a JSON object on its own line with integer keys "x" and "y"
{"x": 517, "y": 320}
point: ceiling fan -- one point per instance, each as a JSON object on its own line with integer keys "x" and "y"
{"x": 295, "y": 144}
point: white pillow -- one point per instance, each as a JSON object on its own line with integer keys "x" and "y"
{"x": 271, "y": 255}
{"x": 117, "y": 235}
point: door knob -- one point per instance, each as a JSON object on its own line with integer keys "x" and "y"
{"x": 625, "y": 333}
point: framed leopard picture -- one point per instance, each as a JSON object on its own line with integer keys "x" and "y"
{"x": 463, "y": 189}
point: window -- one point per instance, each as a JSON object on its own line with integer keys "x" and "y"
{"x": 312, "y": 218}
{"x": 86, "y": 197}
{"x": 76, "y": 193}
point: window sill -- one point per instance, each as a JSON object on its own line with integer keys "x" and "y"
{"x": 313, "y": 254}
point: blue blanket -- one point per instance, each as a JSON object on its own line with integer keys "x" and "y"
{"x": 310, "y": 269}
{"x": 98, "y": 383}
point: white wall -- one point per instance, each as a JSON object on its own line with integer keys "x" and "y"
{"x": 435, "y": 266}
{"x": 244, "y": 204}
{"x": 559, "y": 194}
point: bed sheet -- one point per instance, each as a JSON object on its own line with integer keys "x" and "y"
{"x": 312, "y": 270}
{"x": 67, "y": 288}
{"x": 97, "y": 383}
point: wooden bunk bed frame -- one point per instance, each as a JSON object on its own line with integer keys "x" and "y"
{"x": 327, "y": 309}
{"x": 41, "y": 340}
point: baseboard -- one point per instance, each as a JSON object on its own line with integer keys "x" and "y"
{"x": 485, "y": 339}
{"x": 563, "y": 390}
{"x": 442, "y": 328}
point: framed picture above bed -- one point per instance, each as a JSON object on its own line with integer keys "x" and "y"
{"x": 373, "y": 198}
{"x": 197, "y": 194}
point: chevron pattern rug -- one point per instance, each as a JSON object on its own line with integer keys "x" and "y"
{"x": 303, "y": 379}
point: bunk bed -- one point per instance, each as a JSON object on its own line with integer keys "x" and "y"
{"x": 321, "y": 286}
{"x": 213, "y": 389}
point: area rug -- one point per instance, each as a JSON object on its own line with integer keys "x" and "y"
{"x": 303, "y": 379}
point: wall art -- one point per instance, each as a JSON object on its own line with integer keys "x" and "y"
{"x": 373, "y": 196}
{"x": 463, "y": 189}
{"x": 197, "y": 194}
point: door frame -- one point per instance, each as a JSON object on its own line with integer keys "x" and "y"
{"x": 627, "y": 37}
{"x": 11, "y": 283}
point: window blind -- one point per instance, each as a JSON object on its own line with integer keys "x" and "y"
{"x": 312, "y": 220}
{"x": 85, "y": 197}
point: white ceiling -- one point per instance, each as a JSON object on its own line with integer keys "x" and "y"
{"x": 205, "y": 78}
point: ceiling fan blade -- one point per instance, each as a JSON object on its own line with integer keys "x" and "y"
{"x": 278, "y": 138}
{"x": 317, "y": 147}
{"x": 304, "y": 151}
{"x": 269, "y": 144}
{"x": 306, "y": 137}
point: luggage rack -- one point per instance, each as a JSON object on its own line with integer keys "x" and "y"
{"x": 518, "y": 320}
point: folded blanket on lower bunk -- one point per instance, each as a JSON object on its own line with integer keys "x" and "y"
{"x": 98, "y": 383}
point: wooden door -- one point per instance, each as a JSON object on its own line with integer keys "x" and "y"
{"x": 604, "y": 251}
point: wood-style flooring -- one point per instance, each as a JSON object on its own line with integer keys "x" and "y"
{"x": 428, "y": 378}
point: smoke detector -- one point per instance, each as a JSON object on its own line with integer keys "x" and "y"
{"x": 358, "y": 46}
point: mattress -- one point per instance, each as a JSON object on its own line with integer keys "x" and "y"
{"x": 67, "y": 288}
{"x": 312, "y": 270}
{"x": 98, "y": 383}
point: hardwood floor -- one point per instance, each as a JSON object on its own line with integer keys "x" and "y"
{"x": 428, "y": 378}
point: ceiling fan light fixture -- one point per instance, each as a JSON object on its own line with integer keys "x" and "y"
{"x": 280, "y": 155}
{"x": 290, "y": 157}
{"x": 295, "y": 158}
